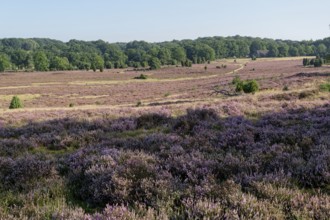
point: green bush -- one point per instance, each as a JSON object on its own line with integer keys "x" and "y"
{"x": 325, "y": 87}
{"x": 239, "y": 86}
{"x": 236, "y": 80}
{"x": 15, "y": 103}
{"x": 318, "y": 62}
{"x": 251, "y": 86}
{"x": 142, "y": 76}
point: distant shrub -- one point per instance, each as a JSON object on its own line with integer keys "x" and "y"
{"x": 285, "y": 88}
{"x": 254, "y": 58}
{"x": 307, "y": 94}
{"x": 250, "y": 86}
{"x": 236, "y": 80}
{"x": 15, "y": 103}
{"x": 142, "y": 76}
{"x": 325, "y": 87}
{"x": 318, "y": 62}
{"x": 138, "y": 104}
{"x": 306, "y": 62}
{"x": 71, "y": 105}
{"x": 239, "y": 86}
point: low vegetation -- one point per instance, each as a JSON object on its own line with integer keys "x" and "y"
{"x": 142, "y": 76}
{"x": 131, "y": 150}
{"x": 318, "y": 62}
{"x": 156, "y": 166}
{"x": 247, "y": 86}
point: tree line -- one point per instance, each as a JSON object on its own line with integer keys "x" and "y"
{"x": 39, "y": 54}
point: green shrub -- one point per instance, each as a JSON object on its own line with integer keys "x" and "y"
{"x": 325, "y": 87}
{"x": 236, "y": 80}
{"x": 318, "y": 62}
{"x": 15, "y": 103}
{"x": 251, "y": 86}
{"x": 142, "y": 76}
{"x": 239, "y": 86}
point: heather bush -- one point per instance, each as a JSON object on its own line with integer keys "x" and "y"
{"x": 21, "y": 174}
{"x": 115, "y": 177}
{"x": 149, "y": 121}
{"x": 194, "y": 119}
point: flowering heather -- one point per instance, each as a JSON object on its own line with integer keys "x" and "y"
{"x": 198, "y": 165}
{"x": 261, "y": 156}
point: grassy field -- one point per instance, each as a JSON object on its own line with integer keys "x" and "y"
{"x": 107, "y": 146}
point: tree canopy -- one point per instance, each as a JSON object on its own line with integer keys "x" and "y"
{"x": 45, "y": 54}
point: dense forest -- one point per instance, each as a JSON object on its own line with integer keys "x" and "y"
{"x": 45, "y": 54}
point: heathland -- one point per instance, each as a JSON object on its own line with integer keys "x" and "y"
{"x": 235, "y": 138}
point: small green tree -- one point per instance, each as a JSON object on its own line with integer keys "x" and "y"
{"x": 15, "y": 103}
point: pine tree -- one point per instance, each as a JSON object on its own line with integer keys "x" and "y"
{"x": 15, "y": 103}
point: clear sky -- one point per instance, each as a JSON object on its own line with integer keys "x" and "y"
{"x": 164, "y": 20}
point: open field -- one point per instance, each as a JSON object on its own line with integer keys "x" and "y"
{"x": 172, "y": 89}
{"x": 130, "y": 149}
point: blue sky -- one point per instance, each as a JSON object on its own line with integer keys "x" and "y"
{"x": 164, "y": 20}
